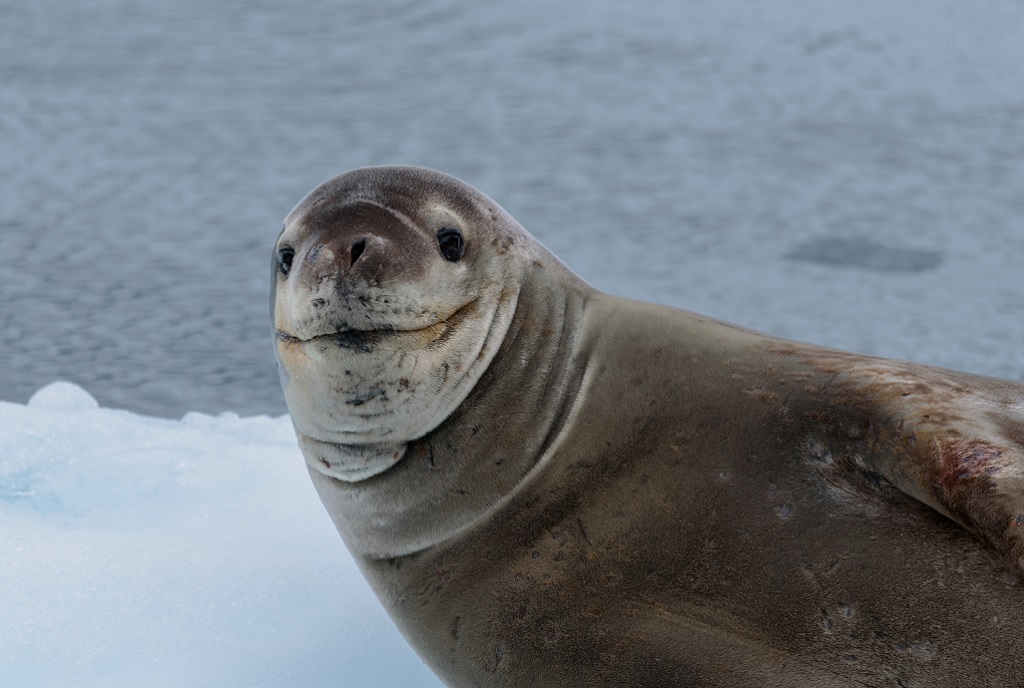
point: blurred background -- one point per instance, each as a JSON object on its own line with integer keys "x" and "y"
{"x": 848, "y": 173}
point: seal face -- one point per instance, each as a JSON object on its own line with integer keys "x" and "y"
{"x": 387, "y": 312}
{"x": 550, "y": 486}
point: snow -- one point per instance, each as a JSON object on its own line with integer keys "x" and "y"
{"x": 142, "y": 551}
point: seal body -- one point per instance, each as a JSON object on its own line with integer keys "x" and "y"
{"x": 632, "y": 495}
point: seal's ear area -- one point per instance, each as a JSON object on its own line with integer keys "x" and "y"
{"x": 451, "y": 244}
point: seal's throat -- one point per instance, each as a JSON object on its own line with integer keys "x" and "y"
{"x": 484, "y": 451}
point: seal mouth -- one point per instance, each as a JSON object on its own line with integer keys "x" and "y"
{"x": 345, "y": 337}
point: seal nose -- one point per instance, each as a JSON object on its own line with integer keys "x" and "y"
{"x": 335, "y": 258}
{"x": 361, "y": 242}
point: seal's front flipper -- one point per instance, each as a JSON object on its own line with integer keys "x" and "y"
{"x": 952, "y": 440}
{"x": 980, "y": 480}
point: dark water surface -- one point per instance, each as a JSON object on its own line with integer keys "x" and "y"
{"x": 850, "y": 173}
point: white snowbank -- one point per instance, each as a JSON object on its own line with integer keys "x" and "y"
{"x": 139, "y": 551}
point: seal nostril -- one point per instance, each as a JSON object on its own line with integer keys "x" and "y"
{"x": 357, "y": 250}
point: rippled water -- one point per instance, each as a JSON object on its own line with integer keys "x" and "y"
{"x": 850, "y": 173}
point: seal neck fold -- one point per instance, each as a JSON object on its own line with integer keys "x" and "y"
{"x": 455, "y": 475}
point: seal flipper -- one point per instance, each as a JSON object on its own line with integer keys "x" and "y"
{"x": 982, "y": 484}
{"x": 951, "y": 440}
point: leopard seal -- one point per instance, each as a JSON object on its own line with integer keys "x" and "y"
{"x": 550, "y": 486}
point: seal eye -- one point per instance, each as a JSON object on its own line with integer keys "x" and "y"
{"x": 450, "y": 242}
{"x": 284, "y": 259}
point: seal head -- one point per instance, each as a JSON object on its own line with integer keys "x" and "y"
{"x": 387, "y": 311}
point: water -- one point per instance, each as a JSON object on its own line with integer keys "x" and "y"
{"x": 846, "y": 173}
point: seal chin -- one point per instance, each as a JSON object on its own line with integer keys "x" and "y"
{"x": 350, "y": 463}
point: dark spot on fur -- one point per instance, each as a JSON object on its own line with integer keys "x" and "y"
{"x": 502, "y": 244}
{"x": 583, "y": 531}
{"x": 453, "y": 628}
